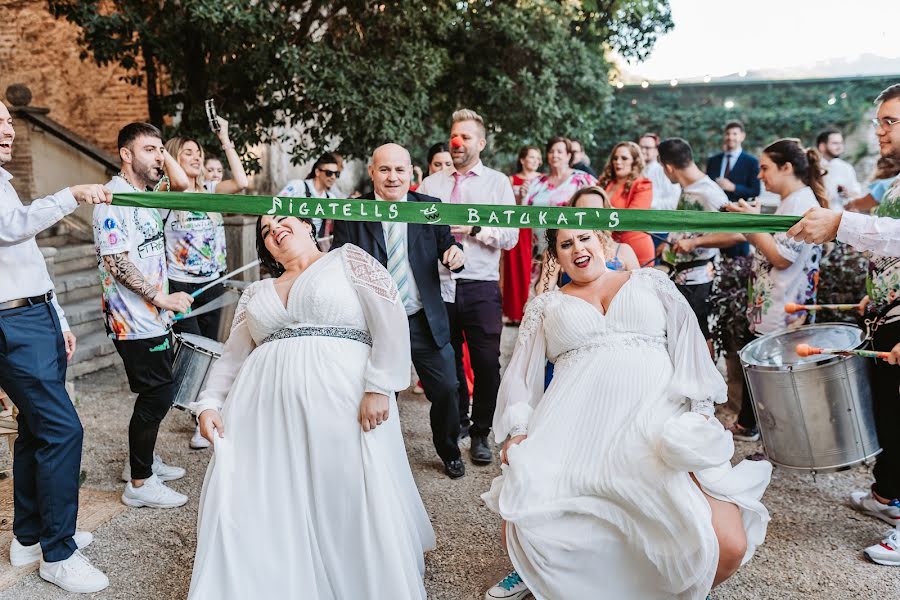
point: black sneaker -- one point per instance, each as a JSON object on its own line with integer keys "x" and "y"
{"x": 454, "y": 468}
{"x": 480, "y": 451}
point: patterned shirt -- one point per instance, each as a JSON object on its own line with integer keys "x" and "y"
{"x": 195, "y": 243}
{"x": 703, "y": 194}
{"x": 883, "y": 282}
{"x": 139, "y": 232}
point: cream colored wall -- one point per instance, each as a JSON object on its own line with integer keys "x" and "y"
{"x": 58, "y": 165}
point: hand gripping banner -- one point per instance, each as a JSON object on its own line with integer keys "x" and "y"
{"x": 485, "y": 215}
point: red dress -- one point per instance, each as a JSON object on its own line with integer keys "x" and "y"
{"x": 517, "y": 271}
{"x": 640, "y": 195}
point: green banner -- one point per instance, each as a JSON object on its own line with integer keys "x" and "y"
{"x": 485, "y": 215}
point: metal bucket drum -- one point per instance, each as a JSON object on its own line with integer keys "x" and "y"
{"x": 813, "y": 413}
{"x": 194, "y": 356}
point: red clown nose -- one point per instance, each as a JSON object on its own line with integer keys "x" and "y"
{"x": 456, "y": 143}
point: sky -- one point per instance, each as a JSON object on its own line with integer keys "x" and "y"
{"x": 718, "y": 37}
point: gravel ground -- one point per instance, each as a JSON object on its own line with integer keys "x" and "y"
{"x": 813, "y": 548}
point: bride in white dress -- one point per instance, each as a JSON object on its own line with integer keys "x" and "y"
{"x": 309, "y": 493}
{"x": 618, "y": 482}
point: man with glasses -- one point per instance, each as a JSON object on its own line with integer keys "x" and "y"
{"x": 321, "y": 181}
{"x": 881, "y": 235}
{"x": 665, "y": 193}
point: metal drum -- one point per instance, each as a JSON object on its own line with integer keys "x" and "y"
{"x": 813, "y": 413}
{"x": 194, "y": 356}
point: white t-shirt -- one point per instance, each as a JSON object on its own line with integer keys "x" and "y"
{"x": 771, "y": 288}
{"x": 665, "y": 193}
{"x": 840, "y": 175}
{"x": 139, "y": 232}
{"x": 703, "y": 194}
{"x": 299, "y": 188}
{"x": 195, "y": 243}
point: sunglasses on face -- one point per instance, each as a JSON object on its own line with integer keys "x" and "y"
{"x": 330, "y": 173}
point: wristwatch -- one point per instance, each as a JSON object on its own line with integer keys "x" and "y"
{"x": 476, "y": 229}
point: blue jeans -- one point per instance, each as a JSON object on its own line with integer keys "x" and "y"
{"x": 48, "y": 450}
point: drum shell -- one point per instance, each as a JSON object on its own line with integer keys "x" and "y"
{"x": 815, "y": 416}
{"x": 190, "y": 370}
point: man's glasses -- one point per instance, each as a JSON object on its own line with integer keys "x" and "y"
{"x": 884, "y": 122}
{"x": 330, "y": 173}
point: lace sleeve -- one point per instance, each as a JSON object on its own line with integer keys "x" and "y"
{"x": 225, "y": 370}
{"x": 522, "y": 385}
{"x": 388, "y": 367}
{"x": 695, "y": 376}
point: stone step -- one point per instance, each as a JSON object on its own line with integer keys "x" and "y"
{"x": 83, "y": 311}
{"x": 78, "y": 285}
{"x": 75, "y": 257}
{"x": 87, "y": 328}
{"x": 91, "y": 365}
{"x": 93, "y": 345}
{"x": 54, "y": 241}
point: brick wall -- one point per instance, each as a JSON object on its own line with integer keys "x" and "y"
{"x": 43, "y": 53}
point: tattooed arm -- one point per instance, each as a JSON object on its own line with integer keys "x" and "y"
{"x": 126, "y": 272}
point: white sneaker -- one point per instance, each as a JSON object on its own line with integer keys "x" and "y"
{"x": 20, "y": 555}
{"x": 418, "y": 389}
{"x": 887, "y": 552}
{"x": 198, "y": 442}
{"x": 510, "y": 588}
{"x": 75, "y": 574}
{"x": 160, "y": 469}
{"x": 154, "y": 494}
{"x": 864, "y": 502}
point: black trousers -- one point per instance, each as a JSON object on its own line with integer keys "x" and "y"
{"x": 437, "y": 371}
{"x": 206, "y": 324}
{"x": 48, "y": 450}
{"x": 697, "y": 296}
{"x": 477, "y": 318}
{"x": 148, "y": 364}
{"x": 886, "y": 397}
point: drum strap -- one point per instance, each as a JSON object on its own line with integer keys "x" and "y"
{"x": 889, "y": 314}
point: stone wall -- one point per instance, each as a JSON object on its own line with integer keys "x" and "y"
{"x": 43, "y": 53}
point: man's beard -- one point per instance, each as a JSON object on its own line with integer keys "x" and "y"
{"x": 147, "y": 175}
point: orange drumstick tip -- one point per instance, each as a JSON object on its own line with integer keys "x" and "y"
{"x": 804, "y": 350}
{"x": 791, "y": 308}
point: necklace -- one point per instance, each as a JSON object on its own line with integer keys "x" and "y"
{"x": 162, "y": 180}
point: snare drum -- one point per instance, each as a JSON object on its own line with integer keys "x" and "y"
{"x": 194, "y": 357}
{"x": 814, "y": 413}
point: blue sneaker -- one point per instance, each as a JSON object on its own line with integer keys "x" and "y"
{"x": 510, "y": 588}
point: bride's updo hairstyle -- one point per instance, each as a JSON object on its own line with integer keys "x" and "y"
{"x": 266, "y": 260}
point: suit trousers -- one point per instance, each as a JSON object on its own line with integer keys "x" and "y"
{"x": 886, "y": 400}
{"x": 48, "y": 450}
{"x": 477, "y": 318}
{"x": 437, "y": 372}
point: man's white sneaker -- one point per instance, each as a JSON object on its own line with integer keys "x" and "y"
{"x": 887, "y": 552}
{"x": 866, "y": 503}
{"x": 160, "y": 469}
{"x": 154, "y": 494}
{"x": 510, "y": 588}
{"x": 76, "y": 574}
{"x": 198, "y": 442}
{"x": 20, "y": 555}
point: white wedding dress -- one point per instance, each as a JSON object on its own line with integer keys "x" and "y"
{"x": 299, "y": 502}
{"x": 598, "y": 500}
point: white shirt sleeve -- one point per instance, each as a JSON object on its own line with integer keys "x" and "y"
{"x": 504, "y": 238}
{"x": 879, "y": 235}
{"x": 522, "y": 385}
{"x": 21, "y": 223}
{"x": 225, "y": 370}
{"x": 63, "y": 323}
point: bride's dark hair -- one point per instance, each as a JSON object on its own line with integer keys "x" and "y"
{"x": 266, "y": 260}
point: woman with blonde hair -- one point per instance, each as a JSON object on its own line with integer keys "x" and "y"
{"x": 627, "y": 187}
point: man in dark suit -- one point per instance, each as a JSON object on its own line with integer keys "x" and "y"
{"x": 411, "y": 252}
{"x": 736, "y": 172}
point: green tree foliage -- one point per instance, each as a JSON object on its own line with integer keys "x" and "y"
{"x": 362, "y": 72}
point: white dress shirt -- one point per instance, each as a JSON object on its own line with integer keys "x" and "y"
{"x": 735, "y": 155}
{"x": 840, "y": 174}
{"x": 665, "y": 193}
{"x": 23, "y": 272}
{"x": 879, "y": 235}
{"x": 413, "y": 298}
{"x": 482, "y": 250}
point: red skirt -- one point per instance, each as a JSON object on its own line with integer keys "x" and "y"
{"x": 517, "y": 276}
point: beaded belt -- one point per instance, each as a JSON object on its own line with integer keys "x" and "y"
{"x": 345, "y": 333}
{"x": 614, "y": 341}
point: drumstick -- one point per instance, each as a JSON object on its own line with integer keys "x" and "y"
{"x": 224, "y": 300}
{"x": 804, "y": 350}
{"x": 791, "y": 308}
{"x": 221, "y": 279}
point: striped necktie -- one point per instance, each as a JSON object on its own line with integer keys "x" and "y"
{"x": 397, "y": 264}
